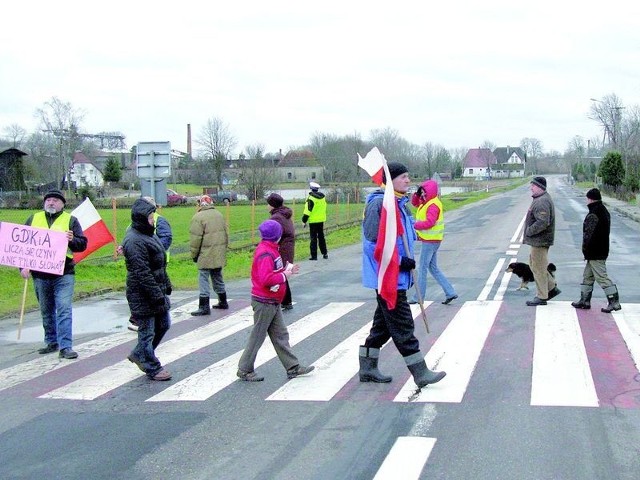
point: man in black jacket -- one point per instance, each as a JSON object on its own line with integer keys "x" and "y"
{"x": 55, "y": 292}
{"x": 595, "y": 248}
{"x": 148, "y": 288}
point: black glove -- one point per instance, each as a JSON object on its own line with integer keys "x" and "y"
{"x": 407, "y": 264}
{"x": 163, "y": 305}
{"x": 419, "y": 191}
{"x": 168, "y": 290}
{"x": 195, "y": 259}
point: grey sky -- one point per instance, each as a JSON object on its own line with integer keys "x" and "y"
{"x": 277, "y": 72}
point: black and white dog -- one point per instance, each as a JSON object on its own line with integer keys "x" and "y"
{"x": 523, "y": 271}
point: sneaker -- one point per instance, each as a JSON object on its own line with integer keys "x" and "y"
{"x": 162, "y": 376}
{"x": 132, "y": 327}
{"x": 50, "y": 348}
{"x": 536, "y": 301}
{"x": 299, "y": 370}
{"x": 68, "y": 354}
{"x": 249, "y": 376}
{"x": 135, "y": 360}
{"x": 449, "y": 300}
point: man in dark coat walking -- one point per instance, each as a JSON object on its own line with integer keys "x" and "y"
{"x": 148, "y": 288}
{"x": 595, "y": 248}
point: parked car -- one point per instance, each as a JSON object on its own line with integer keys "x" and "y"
{"x": 222, "y": 196}
{"x": 174, "y": 198}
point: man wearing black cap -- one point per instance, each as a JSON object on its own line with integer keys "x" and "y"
{"x": 315, "y": 212}
{"x": 539, "y": 230}
{"x": 595, "y": 248}
{"x": 55, "y": 292}
{"x": 396, "y": 324}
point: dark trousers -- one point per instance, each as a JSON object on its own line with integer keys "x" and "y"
{"x": 151, "y": 330}
{"x": 396, "y": 324}
{"x": 287, "y": 296}
{"x": 316, "y": 232}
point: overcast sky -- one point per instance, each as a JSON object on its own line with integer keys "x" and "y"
{"x": 452, "y": 73}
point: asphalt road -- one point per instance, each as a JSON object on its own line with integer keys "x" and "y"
{"x": 531, "y": 392}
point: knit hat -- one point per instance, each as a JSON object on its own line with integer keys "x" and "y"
{"x": 314, "y": 186}
{"x": 205, "y": 200}
{"x": 395, "y": 170}
{"x": 55, "y": 194}
{"x": 270, "y": 230}
{"x": 540, "y": 182}
{"x": 594, "y": 194}
{"x": 275, "y": 200}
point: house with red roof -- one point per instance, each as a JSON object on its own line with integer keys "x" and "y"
{"x": 479, "y": 163}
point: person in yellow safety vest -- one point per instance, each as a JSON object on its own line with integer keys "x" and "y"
{"x": 162, "y": 229}
{"x": 55, "y": 292}
{"x": 315, "y": 213}
{"x": 430, "y": 229}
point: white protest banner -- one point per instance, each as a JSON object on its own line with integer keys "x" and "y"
{"x": 37, "y": 249}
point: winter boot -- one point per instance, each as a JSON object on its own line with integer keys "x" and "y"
{"x": 222, "y": 302}
{"x": 421, "y": 373}
{"x": 203, "y": 308}
{"x": 369, "y": 366}
{"x": 614, "y": 300}
{"x": 585, "y": 297}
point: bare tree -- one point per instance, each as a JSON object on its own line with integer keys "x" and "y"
{"x": 532, "y": 148}
{"x": 15, "y": 133}
{"x": 608, "y": 112}
{"x": 61, "y": 120}
{"x": 217, "y": 143}
{"x": 257, "y": 173}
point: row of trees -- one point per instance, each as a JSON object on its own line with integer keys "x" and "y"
{"x": 59, "y": 135}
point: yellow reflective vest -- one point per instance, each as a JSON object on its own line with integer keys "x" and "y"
{"x": 319, "y": 212}
{"x": 435, "y": 233}
{"x": 61, "y": 224}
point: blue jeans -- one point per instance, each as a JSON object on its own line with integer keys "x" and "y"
{"x": 151, "y": 330}
{"x": 216, "y": 279}
{"x": 429, "y": 262}
{"x": 55, "y": 296}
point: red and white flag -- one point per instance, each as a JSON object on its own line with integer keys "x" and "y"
{"x": 386, "y": 251}
{"x": 96, "y": 231}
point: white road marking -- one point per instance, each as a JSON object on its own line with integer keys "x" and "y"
{"x": 406, "y": 459}
{"x": 491, "y": 280}
{"x": 209, "y": 381}
{"x": 456, "y": 352}
{"x": 561, "y": 374}
{"x": 628, "y": 322}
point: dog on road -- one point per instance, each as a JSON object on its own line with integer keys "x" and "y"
{"x": 524, "y": 273}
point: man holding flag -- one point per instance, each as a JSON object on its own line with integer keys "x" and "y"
{"x": 55, "y": 292}
{"x": 387, "y": 262}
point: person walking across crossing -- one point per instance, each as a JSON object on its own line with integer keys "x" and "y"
{"x": 595, "y": 248}
{"x": 315, "y": 213}
{"x": 268, "y": 288}
{"x": 287, "y": 244}
{"x": 148, "y": 288}
{"x": 391, "y": 323}
{"x": 209, "y": 239}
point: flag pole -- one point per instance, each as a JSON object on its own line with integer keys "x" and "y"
{"x": 415, "y": 284}
{"x": 24, "y": 299}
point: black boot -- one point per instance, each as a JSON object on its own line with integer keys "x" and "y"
{"x": 203, "y": 308}
{"x": 222, "y": 302}
{"x": 369, "y": 366}
{"x": 421, "y": 373}
{"x": 614, "y": 300}
{"x": 585, "y": 297}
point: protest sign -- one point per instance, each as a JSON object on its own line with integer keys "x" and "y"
{"x": 40, "y": 249}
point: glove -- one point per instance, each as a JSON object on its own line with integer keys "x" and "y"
{"x": 169, "y": 290}
{"x": 164, "y": 305}
{"x": 195, "y": 259}
{"x": 419, "y": 191}
{"x": 407, "y": 264}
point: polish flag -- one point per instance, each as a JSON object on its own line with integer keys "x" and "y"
{"x": 373, "y": 163}
{"x": 386, "y": 251}
{"x": 96, "y": 231}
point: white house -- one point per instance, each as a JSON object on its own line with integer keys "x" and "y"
{"x": 84, "y": 172}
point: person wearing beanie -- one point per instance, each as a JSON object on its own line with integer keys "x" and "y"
{"x": 596, "y": 229}
{"x": 430, "y": 230}
{"x": 396, "y": 323}
{"x": 208, "y": 242}
{"x": 315, "y": 213}
{"x": 539, "y": 230}
{"x": 55, "y": 292}
{"x": 148, "y": 288}
{"x": 287, "y": 244}
{"x": 268, "y": 287}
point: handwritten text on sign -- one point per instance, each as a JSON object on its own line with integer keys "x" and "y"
{"x": 38, "y": 249}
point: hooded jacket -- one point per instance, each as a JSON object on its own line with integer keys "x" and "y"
{"x": 429, "y": 223}
{"x": 595, "y": 232}
{"x": 283, "y": 215}
{"x": 147, "y": 281}
{"x": 370, "y": 225}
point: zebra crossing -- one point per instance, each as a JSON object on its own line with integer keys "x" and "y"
{"x": 580, "y": 358}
